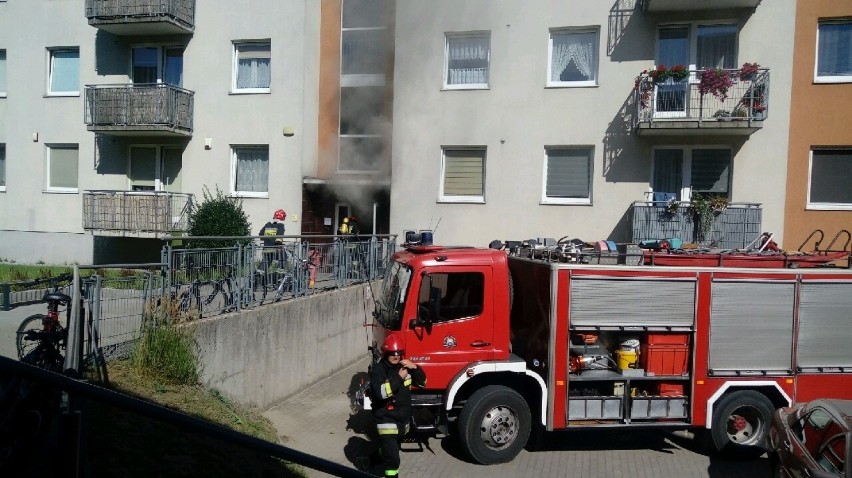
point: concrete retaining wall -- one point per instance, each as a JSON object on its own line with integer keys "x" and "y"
{"x": 261, "y": 356}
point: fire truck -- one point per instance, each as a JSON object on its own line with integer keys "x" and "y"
{"x": 517, "y": 346}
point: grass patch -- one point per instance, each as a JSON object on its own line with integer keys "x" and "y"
{"x": 163, "y": 369}
{"x": 120, "y": 443}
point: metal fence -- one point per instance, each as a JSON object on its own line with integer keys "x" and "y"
{"x": 734, "y": 228}
{"x": 137, "y": 211}
{"x": 143, "y": 107}
{"x": 181, "y": 11}
{"x": 190, "y": 284}
{"x": 746, "y": 98}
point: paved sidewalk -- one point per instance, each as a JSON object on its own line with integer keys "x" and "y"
{"x": 319, "y": 421}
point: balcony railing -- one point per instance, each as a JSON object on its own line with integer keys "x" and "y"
{"x": 678, "y": 107}
{"x": 142, "y": 17}
{"x": 157, "y": 109}
{"x": 153, "y": 212}
{"x": 733, "y": 228}
{"x": 654, "y": 6}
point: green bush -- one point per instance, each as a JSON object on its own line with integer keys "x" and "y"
{"x": 218, "y": 215}
{"x": 166, "y": 352}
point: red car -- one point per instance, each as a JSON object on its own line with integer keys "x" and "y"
{"x": 812, "y": 440}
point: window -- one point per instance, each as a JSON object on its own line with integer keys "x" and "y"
{"x": 463, "y": 173}
{"x": 712, "y": 46}
{"x": 362, "y": 124}
{"x": 2, "y": 167}
{"x": 363, "y": 50}
{"x": 834, "y": 51}
{"x": 2, "y": 73}
{"x": 250, "y": 171}
{"x": 157, "y": 65}
{"x": 568, "y": 176}
{"x": 252, "y": 67}
{"x": 462, "y": 294}
{"x": 573, "y": 58}
{"x": 62, "y": 160}
{"x": 64, "y": 70}
{"x": 830, "y": 177}
{"x": 155, "y": 168}
{"x": 467, "y": 57}
{"x": 683, "y": 172}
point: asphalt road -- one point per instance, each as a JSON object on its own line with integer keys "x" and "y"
{"x": 9, "y": 322}
{"x": 319, "y": 420}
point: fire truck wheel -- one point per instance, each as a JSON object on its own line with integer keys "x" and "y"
{"x": 741, "y": 424}
{"x": 494, "y": 425}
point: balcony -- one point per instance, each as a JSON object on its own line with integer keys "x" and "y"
{"x": 660, "y": 6}
{"x": 738, "y": 225}
{"x": 139, "y": 110}
{"x": 142, "y": 17}
{"x": 677, "y": 107}
{"x": 140, "y": 213}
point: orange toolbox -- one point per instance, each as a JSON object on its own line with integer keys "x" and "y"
{"x": 667, "y": 339}
{"x": 664, "y": 359}
{"x": 668, "y": 389}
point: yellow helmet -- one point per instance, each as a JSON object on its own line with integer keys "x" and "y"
{"x": 345, "y": 220}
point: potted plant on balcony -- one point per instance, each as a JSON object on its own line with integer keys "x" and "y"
{"x": 715, "y": 81}
{"x": 705, "y": 207}
{"x": 749, "y": 71}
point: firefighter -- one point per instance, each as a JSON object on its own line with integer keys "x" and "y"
{"x": 344, "y": 227}
{"x": 390, "y": 388}
{"x": 273, "y": 247}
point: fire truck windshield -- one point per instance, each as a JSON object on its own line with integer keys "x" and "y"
{"x": 391, "y": 302}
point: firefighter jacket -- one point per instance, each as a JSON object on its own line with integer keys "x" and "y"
{"x": 391, "y": 395}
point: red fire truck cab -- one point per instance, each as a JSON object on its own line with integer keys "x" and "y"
{"x": 513, "y": 344}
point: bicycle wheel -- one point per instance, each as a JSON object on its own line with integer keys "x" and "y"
{"x": 33, "y": 322}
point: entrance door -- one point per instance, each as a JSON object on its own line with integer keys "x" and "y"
{"x": 670, "y": 96}
{"x": 155, "y": 168}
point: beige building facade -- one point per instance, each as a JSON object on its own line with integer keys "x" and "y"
{"x": 512, "y": 122}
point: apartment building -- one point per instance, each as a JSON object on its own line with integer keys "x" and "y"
{"x": 514, "y": 121}
{"x": 819, "y": 163}
{"x": 116, "y": 114}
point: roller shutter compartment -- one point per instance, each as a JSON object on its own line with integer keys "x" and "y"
{"x": 825, "y": 315}
{"x": 609, "y": 302}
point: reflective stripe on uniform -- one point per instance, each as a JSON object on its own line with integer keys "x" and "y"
{"x": 386, "y": 390}
{"x": 391, "y": 472}
{"x": 407, "y": 382}
{"x": 387, "y": 429}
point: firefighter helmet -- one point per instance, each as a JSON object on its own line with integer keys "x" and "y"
{"x": 392, "y": 344}
{"x": 345, "y": 220}
{"x": 279, "y": 215}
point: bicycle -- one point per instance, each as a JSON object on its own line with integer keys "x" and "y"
{"x": 28, "y": 408}
{"x": 26, "y": 342}
{"x": 226, "y": 289}
{"x": 293, "y": 280}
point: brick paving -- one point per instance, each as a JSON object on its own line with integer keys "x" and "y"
{"x": 319, "y": 421}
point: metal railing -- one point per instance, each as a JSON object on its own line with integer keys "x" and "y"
{"x": 746, "y": 99}
{"x": 733, "y": 228}
{"x": 181, "y": 12}
{"x": 136, "y": 211}
{"x": 139, "y": 107}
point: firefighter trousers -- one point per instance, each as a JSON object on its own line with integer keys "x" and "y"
{"x": 390, "y": 439}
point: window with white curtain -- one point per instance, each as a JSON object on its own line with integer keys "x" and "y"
{"x": 680, "y": 172}
{"x": 466, "y": 59}
{"x": 62, "y": 161}
{"x": 834, "y": 52}
{"x": 2, "y": 167}
{"x": 252, "y": 67}
{"x": 830, "y": 177}
{"x": 250, "y": 170}
{"x": 573, "y": 58}
{"x": 2, "y": 73}
{"x": 463, "y": 174}
{"x": 64, "y": 72}
{"x": 716, "y": 46}
{"x": 568, "y": 175}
